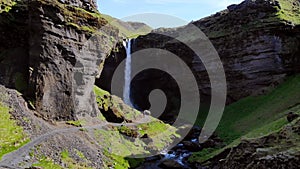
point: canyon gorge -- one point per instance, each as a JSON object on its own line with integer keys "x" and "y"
{"x": 57, "y": 60}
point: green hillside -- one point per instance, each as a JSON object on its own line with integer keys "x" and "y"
{"x": 256, "y": 116}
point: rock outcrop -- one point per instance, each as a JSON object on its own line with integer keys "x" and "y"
{"x": 51, "y": 51}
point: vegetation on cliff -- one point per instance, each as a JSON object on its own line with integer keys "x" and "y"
{"x": 289, "y": 11}
{"x": 255, "y": 117}
{"x": 128, "y": 29}
{"x": 6, "y": 5}
{"x": 242, "y": 18}
{"x": 98, "y": 23}
{"x": 12, "y": 136}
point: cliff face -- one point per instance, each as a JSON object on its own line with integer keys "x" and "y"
{"x": 257, "y": 41}
{"x": 14, "y": 45}
{"x": 257, "y": 48}
{"x": 48, "y": 52}
{"x": 55, "y": 51}
{"x": 51, "y": 51}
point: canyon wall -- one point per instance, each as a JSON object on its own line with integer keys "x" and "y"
{"x": 51, "y": 54}
{"x": 258, "y": 43}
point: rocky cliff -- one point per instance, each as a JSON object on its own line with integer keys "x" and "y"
{"x": 258, "y": 48}
{"x": 51, "y": 114}
{"x": 257, "y": 41}
{"x": 48, "y": 52}
{"x": 51, "y": 52}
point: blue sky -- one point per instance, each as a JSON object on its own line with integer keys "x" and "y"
{"x": 187, "y": 10}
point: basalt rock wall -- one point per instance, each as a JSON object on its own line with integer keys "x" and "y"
{"x": 257, "y": 41}
{"x": 51, "y": 51}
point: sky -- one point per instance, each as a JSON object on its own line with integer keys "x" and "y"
{"x": 184, "y": 10}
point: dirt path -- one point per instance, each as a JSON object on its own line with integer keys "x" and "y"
{"x": 15, "y": 157}
{"x": 11, "y": 160}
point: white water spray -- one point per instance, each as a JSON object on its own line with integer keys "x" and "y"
{"x": 126, "y": 91}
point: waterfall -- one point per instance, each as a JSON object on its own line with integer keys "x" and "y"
{"x": 126, "y": 90}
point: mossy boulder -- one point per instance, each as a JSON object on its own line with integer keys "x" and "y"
{"x": 113, "y": 108}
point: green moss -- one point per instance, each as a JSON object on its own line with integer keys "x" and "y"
{"x": 117, "y": 162}
{"x": 102, "y": 98}
{"x": 120, "y": 162}
{"x": 12, "y": 136}
{"x": 47, "y": 163}
{"x": 88, "y": 29}
{"x": 76, "y": 17}
{"x": 71, "y": 163}
{"x": 100, "y": 92}
{"x": 130, "y": 132}
{"x": 101, "y": 117}
{"x": 64, "y": 154}
{"x": 6, "y": 5}
{"x": 161, "y": 134}
{"x": 80, "y": 154}
{"x": 78, "y": 123}
{"x": 108, "y": 102}
{"x": 153, "y": 128}
{"x": 118, "y": 143}
{"x": 290, "y": 11}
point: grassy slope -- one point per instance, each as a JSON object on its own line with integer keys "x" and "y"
{"x": 118, "y": 138}
{"x": 256, "y": 116}
{"x": 47, "y": 163}
{"x": 254, "y": 112}
{"x": 289, "y": 12}
{"x": 12, "y": 136}
{"x": 126, "y": 28}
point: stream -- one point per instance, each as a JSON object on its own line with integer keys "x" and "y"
{"x": 177, "y": 157}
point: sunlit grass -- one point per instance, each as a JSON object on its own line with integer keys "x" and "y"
{"x": 255, "y": 116}
{"x": 12, "y": 136}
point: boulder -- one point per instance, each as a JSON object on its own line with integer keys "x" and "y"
{"x": 292, "y": 116}
{"x": 170, "y": 164}
{"x": 192, "y": 146}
